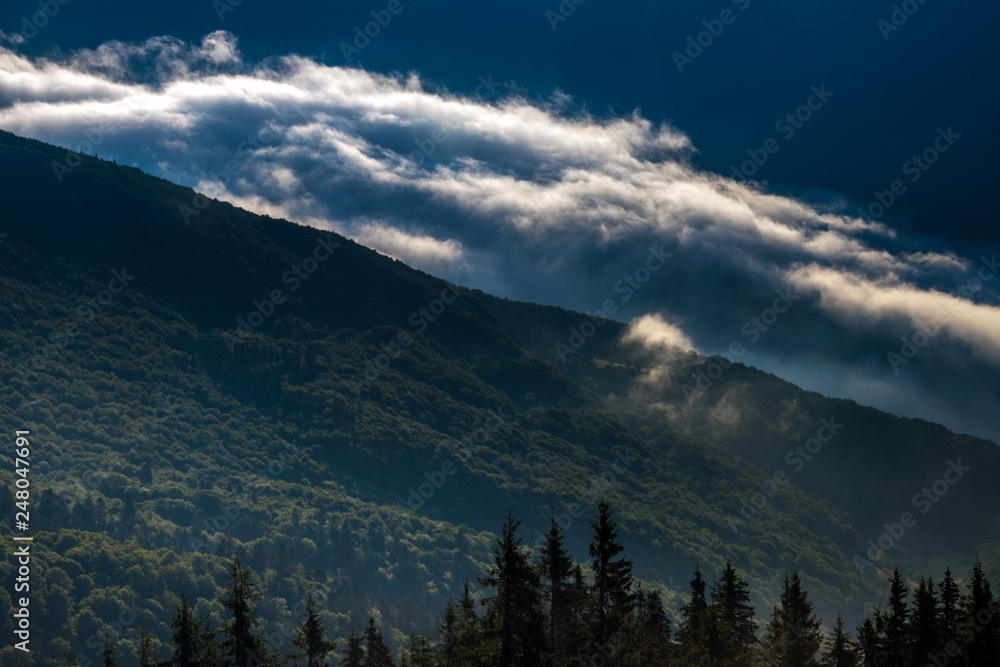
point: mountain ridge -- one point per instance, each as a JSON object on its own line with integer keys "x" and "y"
{"x": 374, "y": 404}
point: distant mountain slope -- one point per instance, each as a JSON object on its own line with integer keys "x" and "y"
{"x": 376, "y": 420}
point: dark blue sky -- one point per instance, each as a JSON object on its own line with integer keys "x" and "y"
{"x": 938, "y": 69}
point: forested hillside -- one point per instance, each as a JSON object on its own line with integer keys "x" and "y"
{"x": 200, "y": 382}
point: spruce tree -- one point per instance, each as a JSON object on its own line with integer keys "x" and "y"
{"x": 448, "y": 634}
{"x": 420, "y": 653}
{"x": 612, "y": 587}
{"x": 982, "y": 624}
{"x": 515, "y": 620}
{"x": 925, "y": 623}
{"x": 840, "y": 650}
{"x": 692, "y": 613}
{"x": 951, "y": 612}
{"x": 869, "y": 640}
{"x": 557, "y": 567}
{"x": 186, "y": 637}
{"x": 732, "y": 595}
{"x": 654, "y": 631}
{"x": 714, "y": 644}
{"x": 377, "y": 653}
{"x": 895, "y": 643}
{"x": 146, "y": 651}
{"x": 208, "y": 649}
{"x": 467, "y": 637}
{"x": 793, "y": 636}
{"x": 579, "y": 602}
{"x": 310, "y": 637}
{"x": 109, "y": 653}
{"x": 243, "y": 643}
{"x": 354, "y": 653}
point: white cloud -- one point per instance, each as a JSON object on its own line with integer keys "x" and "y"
{"x": 410, "y": 248}
{"x": 653, "y": 332}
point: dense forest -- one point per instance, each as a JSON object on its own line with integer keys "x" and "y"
{"x": 348, "y": 447}
{"x": 541, "y": 607}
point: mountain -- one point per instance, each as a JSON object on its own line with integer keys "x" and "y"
{"x": 199, "y": 380}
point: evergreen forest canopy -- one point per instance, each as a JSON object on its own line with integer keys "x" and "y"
{"x": 545, "y": 612}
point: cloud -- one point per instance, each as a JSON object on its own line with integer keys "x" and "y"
{"x": 527, "y": 201}
{"x": 653, "y": 332}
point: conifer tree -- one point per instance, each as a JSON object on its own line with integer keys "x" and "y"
{"x": 186, "y": 637}
{"x": 982, "y": 624}
{"x": 310, "y": 637}
{"x": 458, "y": 635}
{"x": 895, "y": 643}
{"x": 354, "y": 653}
{"x": 925, "y": 623}
{"x": 448, "y": 634}
{"x": 377, "y": 653}
{"x": 467, "y": 636}
{"x": 714, "y": 644}
{"x": 654, "y": 631}
{"x": 869, "y": 640}
{"x": 208, "y": 649}
{"x": 146, "y": 651}
{"x": 951, "y": 610}
{"x": 109, "y": 653}
{"x": 692, "y": 613}
{"x": 841, "y": 651}
{"x": 732, "y": 595}
{"x": 420, "y": 653}
{"x": 243, "y": 643}
{"x": 612, "y": 587}
{"x": 793, "y": 636}
{"x": 577, "y": 635}
{"x": 515, "y": 620}
{"x": 557, "y": 567}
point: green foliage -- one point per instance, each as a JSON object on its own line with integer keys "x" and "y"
{"x": 841, "y": 651}
{"x": 514, "y": 625}
{"x": 793, "y": 636}
{"x": 310, "y": 637}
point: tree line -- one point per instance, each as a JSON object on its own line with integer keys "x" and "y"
{"x": 542, "y": 609}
